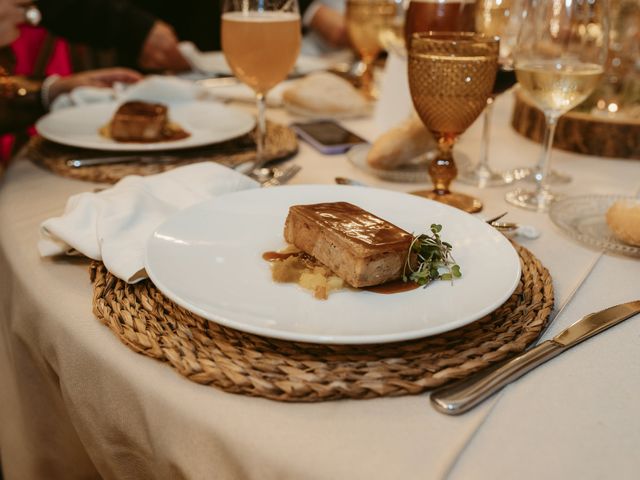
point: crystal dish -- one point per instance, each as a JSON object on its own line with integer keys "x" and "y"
{"x": 583, "y": 218}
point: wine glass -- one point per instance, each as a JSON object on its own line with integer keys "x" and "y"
{"x": 451, "y": 75}
{"x": 366, "y": 19}
{"x": 392, "y": 34}
{"x": 500, "y": 18}
{"x": 559, "y": 60}
{"x": 261, "y": 41}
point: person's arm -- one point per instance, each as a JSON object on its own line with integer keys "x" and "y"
{"x": 20, "y": 103}
{"x": 21, "y": 99}
{"x": 99, "y": 23}
{"x": 330, "y": 25}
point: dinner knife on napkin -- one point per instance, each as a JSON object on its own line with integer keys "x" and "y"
{"x": 463, "y": 396}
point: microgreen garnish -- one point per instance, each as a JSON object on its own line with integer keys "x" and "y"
{"x": 430, "y": 259}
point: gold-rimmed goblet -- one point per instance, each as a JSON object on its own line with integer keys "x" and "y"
{"x": 451, "y": 76}
{"x": 366, "y": 20}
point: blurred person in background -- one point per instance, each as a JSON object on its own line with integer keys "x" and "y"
{"x": 326, "y": 27}
{"x": 134, "y": 28}
{"x": 23, "y": 100}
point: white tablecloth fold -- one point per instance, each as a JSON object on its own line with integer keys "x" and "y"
{"x": 113, "y": 225}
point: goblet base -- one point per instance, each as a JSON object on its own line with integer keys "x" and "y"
{"x": 532, "y": 199}
{"x": 453, "y": 199}
{"x": 531, "y": 175}
{"x": 483, "y": 178}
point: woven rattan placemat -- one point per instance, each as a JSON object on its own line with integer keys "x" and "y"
{"x": 281, "y": 143}
{"x": 237, "y": 362}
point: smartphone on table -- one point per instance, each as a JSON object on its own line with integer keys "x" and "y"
{"x": 327, "y": 136}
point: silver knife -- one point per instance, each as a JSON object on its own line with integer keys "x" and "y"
{"x": 462, "y": 396}
{"x": 94, "y": 161}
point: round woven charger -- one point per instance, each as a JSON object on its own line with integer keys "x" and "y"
{"x": 237, "y": 362}
{"x": 281, "y": 143}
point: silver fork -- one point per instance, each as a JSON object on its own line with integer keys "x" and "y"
{"x": 282, "y": 176}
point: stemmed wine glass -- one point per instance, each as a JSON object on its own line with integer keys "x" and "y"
{"x": 261, "y": 41}
{"x": 559, "y": 60}
{"x": 451, "y": 75}
{"x": 366, "y": 19}
{"x": 500, "y": 18}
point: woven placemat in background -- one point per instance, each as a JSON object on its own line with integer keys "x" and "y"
{"x": 241, "y": 363}
{"x": 281, "y": 143}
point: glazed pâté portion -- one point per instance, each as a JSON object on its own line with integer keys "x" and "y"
{"x": 359, "y": 247}
{"x": 338, "y": 243}
{"x": 142, "y": 122}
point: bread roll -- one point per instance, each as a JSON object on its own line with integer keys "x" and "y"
{"x": 401, "y": 145}
{"x": 623, "y": 217}
{"x": 325, "y": 93}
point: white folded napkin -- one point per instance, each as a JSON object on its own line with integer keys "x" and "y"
{"x": 113, "y": 225}
{"x": 151, "y": 89}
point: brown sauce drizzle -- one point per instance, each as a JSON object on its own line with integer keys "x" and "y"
{"x": 171, "y": 133}
{"x": 396, "y": 286}
{"x": 275, "y": 256}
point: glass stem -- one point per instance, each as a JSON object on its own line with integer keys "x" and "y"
{"x": 483, "y": 163}
{"x": 367, "y": 77}
{"x": 261, "y": 130}
{"x": 545, "y": 160}
{"x": 442, "y": 169}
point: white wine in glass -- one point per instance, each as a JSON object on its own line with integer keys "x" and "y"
{"x": 559, "y": 59}
{"x": 261, "y": 41}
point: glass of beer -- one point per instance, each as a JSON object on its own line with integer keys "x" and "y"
{"x": 451, "y": 76}
{"x": 439, "y": 16}
{"x": 261, "y": 41}
{"x": 559, "y": 60}
{"x": 366, "y": 20}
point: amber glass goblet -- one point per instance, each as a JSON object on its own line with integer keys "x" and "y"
{"x": 451, "y": 76}
{"x": 366, "y": 20}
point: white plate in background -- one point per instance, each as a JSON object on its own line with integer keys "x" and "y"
{"x": 207, "y": 122}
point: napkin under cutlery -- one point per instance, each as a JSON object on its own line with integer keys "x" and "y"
{"x": 113, "y": 225}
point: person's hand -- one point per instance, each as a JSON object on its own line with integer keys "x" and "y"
{"x": 12, "y": 14}
{"x": 331, "y": 26}
{"x": 160, "y": 50}
{"x": 94, "y": 78}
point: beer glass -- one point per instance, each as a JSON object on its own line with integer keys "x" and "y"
{"x": 261, "y": 41}
{"x": 439, "y": 16}
{"x": 559, "y": 60}
{"x": 366, "y": 20}
{"x": 451, "y": 75}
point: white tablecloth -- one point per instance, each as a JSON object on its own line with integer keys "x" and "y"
{"x": 76, "y": 403}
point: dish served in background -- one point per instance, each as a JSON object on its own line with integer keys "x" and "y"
{"x": 206, "y": 123}
{"x": 414, "y": 171}
{"x": 583, "y": 218}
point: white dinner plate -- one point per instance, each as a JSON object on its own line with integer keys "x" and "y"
{"x": 208, "y": 259}
{"x": 207, "y": 122}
